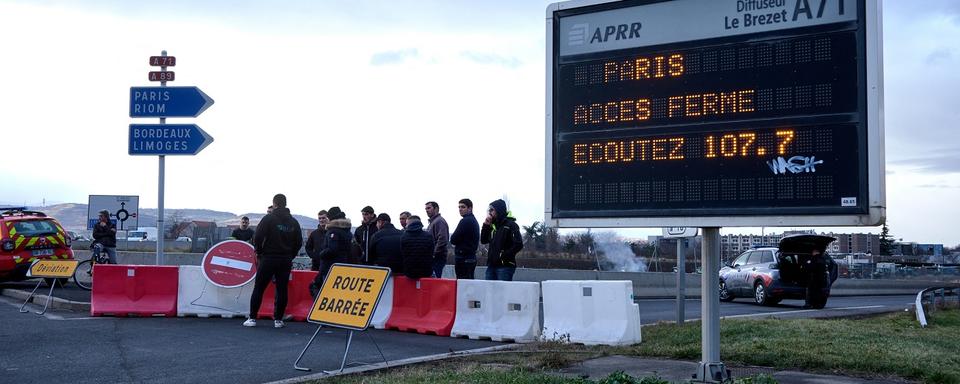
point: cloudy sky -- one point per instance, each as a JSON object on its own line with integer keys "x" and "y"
{"x": 386, "y": 103}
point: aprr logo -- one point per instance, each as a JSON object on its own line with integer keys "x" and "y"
{"x": 578, "y": 34}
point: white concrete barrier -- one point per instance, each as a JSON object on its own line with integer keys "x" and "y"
{"x": 384, "y": 307}
{"x": 198, "y": 297}
{"x": 498, "y": 310}
{"x": 590, "y": 312}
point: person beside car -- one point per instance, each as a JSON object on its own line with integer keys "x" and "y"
{"x": 817, "y": 271}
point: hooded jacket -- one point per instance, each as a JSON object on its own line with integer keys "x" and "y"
{"x": 503, "y": 237}
{"x": 416, "y": 251}
{"x": 278, "y": 235}
{"x": 336, "y": 244}
{"x": 385, "y": 248}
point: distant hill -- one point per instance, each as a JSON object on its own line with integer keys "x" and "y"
{"x": 74, "y": 216}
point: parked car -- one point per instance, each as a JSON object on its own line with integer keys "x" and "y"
{"x": 770, "y": 275}
{"x": 26, "y": 236}
{"x": 183, "y": 239}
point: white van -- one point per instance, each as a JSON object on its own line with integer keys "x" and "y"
{"x": 142, "y": 234}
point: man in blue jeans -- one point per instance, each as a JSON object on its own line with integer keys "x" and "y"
{"x": 441, "y": 236}
{"x": 502, "y": 234}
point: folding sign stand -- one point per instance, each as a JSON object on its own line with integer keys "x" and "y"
{"x": 49, "y": 297}
{"x": 204, "y": 290}
{"x": 343, "y": 363}
{"x": 48, "y": 269}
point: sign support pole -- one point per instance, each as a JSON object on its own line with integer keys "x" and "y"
{"x": 160, "y": 181}
{"x": 296, "y": 364}
{"x": 49, "y": 297}
{"x": 681, "y": 279}
{"x": 711, "y": 369}
{"x": 346, "y": 351}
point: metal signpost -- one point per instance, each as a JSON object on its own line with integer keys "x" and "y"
{"x": 712, "y": 113}
{"x": 681, "y": 234}
{"x": 162, "y": 139}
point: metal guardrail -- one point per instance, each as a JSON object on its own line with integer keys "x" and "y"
{"x": 921, "y": 315}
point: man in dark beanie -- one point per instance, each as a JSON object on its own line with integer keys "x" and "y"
{"x": 277, "y": 241}
{"x": 336, "y": 246}
{"x": 365, "y": 232}
{"x": 502, "y": 233}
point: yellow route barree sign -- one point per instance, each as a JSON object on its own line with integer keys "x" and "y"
{"x": 52, "y": 268}
{"x": 349, "y": 295}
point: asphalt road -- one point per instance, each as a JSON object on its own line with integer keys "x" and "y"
{"x": 657, "y": 310}
{"x": 72, "y": 347}
{"x": 69, "y": 346}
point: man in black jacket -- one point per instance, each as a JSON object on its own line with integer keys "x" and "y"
{"x": 416, "y": 250}
{"x": 277, "y": 241}
{"x": 365, "y": 232}
{"x": 502, "y": 233}
{"x": 465, "y": 240}
{"x": 105, "y": 233}
{"x": 385, "y": 245}
{"x": 244, "y": 233}
{"x": 336, "y": 246}
{"x": 315, "y": 241}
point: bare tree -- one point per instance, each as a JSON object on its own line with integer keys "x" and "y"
{"x": 175, "y": 224}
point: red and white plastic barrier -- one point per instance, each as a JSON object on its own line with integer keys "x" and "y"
{"x": 299, "y": 301}
{"x": 591, "y": 312}
{"x": 141, "y": 290}
{"x": 198, "y": 297}
{"x": 384, "y": 307}
{"x": 498, "y": 310}
{"x": 427, "y": 305}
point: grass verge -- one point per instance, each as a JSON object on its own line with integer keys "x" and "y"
{"x": 891, "y": 345}
{"x": 888, "y": 345}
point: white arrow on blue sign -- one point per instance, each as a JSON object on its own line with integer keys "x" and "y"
{"x": 167, "y": 139}
{"x": 168, "y": 101}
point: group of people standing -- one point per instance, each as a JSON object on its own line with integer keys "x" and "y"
{"x": 412, "y": 250}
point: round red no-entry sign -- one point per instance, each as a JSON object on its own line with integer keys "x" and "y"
{"x": 230, "y": 264}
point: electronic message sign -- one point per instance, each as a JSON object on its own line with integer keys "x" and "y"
{"x": 714, "y": 113}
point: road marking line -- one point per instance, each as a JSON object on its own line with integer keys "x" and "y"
{"x": 801, "y": 311}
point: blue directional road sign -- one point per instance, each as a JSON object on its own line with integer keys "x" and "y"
{"x": 168, "y": 101}
{"x": 167, "y": 139}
